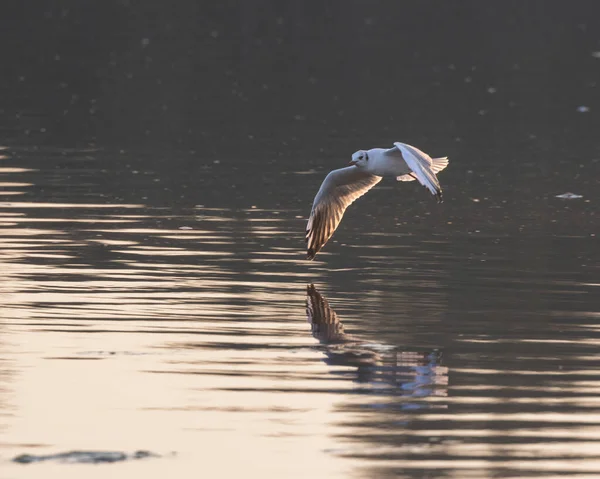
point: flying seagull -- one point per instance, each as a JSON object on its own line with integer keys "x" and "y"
{"x": 342, "y": 187}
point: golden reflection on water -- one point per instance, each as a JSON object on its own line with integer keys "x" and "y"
{"x": 126, "y": 327}
{"x": 145, "y": 390}
{"x": 165, "y": 357}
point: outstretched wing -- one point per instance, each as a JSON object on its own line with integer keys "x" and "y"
{"x": 438, "y": 165}
{"x": 325, "y": 325}
{"x": 338, "y": 191}
{"x": 423, "y": 167}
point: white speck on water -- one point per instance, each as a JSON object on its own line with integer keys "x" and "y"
{"x": 583, "y": 109}
{"x": 596, "y": 54}
{"x": 185, "y": 228}
{"x": 569, "y": 196}
{"x": 145, "y": 42}
{"x": 468, "y": 79}
{"x": 492, "y": 89}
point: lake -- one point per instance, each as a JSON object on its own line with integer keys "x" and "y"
{"x": 155, "y": 291}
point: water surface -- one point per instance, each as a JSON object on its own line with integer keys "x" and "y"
{"x": 157, "y": 167}
{"x": 457, "y": 340}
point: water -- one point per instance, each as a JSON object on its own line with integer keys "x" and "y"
{"x": 155, "y": 181}
{"x": 431, "y": 348}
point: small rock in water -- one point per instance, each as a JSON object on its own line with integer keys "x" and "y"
{"x": 84, "y": 457}
{"x": 569, "y": 196}
{"x": 26, "y": 458}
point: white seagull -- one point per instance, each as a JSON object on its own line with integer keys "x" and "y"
{"x": 342, "y": 187}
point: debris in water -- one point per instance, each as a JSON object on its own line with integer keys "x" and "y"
{"x": 569, "y": 196}
{"x": 84, "y": 457}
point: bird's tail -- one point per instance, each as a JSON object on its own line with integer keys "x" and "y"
{"x": 438, "y": 164}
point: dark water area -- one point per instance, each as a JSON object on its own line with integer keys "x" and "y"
{"x": 157, "y": 169}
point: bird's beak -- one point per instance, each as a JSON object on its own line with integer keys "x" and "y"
{"x": 352, "y": 162}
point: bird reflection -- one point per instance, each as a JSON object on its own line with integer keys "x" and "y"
{"x": 417, "y": 374}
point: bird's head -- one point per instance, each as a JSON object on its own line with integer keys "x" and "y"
{"x": 360, "y": 159}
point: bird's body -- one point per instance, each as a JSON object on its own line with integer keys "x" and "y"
{"x": 382, "y": 164}
{"x": 343, "y": 186}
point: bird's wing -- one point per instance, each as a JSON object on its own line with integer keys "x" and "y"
{"x": 438, "y": 164}
{"x": 338, "y": 191}
{"x": 422, "y": 167}
{"x": 325, "y": 325}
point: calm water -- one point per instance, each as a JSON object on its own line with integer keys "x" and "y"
{"x": 157, "y": 167}
{"x": 454, "y": 340}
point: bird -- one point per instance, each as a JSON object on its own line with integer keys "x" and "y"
{"x": 343, "y": 186}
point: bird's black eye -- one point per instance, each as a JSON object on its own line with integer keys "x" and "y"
{"x": 360, "y": 157}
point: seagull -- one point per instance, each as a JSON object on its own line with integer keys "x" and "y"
{"x": 343, "y": 186}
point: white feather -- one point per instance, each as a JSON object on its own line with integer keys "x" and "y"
{"x": 338, "y": 191}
